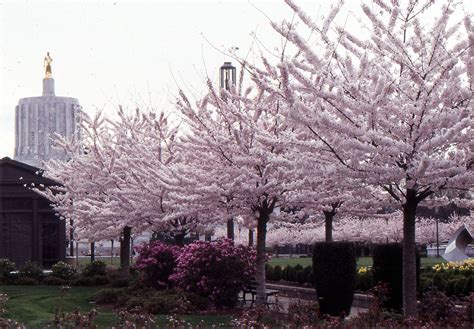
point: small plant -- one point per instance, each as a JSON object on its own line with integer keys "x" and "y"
{"x": 252, "y": 318}
{"x": 109, "y": 295}
{"x": 31, "y": 270}
{"x": 364, "y": 278}
{"x": 94, "y": 268}
{"x": 168, "y": 302}
{"x": 54, "y": 281}
{"x": 437, "y": 305}
{"x": 63, "y": 270}
{"x": 6, "y": 269}
{"x": 303, "y": 313}
{"x": 135, "y": 318}
{"x": 75, "y": 319}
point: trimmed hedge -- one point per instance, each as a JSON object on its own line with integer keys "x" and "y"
{"x": 388, "y": 268}
{"x": 334, "y": 267}
{"x": 297, "y": 273}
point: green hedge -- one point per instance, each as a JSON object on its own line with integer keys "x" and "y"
{"x": 388, "y": 268}
{"x": 451, "y": 281}
{"x": 334, "y": 265}
{"x": 296, "y": 274}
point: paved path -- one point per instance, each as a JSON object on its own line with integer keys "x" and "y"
{"x": 284, "y": 302}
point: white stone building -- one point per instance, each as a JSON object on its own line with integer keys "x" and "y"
{"x": 39, "y": 119}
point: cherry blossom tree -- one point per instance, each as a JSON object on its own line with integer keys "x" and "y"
{"x": 393, "y": 109}
{"x": 108, "y": 186}
{"x": 381, "y": 229}
{"x": 238, "y": 162}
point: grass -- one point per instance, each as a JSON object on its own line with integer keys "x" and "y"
{"x": 34, "y": 306}
{"x": 361, "y": 261}
{"x": 83, "y": 261}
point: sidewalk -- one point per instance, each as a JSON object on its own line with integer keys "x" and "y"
{"x": 284, "y": 302}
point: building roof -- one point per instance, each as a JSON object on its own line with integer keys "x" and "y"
{"x": 16, "y": 172}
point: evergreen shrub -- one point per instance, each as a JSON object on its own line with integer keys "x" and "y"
{"x": 31, "y": 270}
{"x": 97, "y": 267}
{"x": 388, "y": 268}
{"x": 285, "y": 273}
{"x": 334, "y": 268}
{"x": 308, "y": 274}
{"x": 300, "y": 277}
{"x": 26, "y": 281}
{"x": 269, "y": 272}
{"x": 63, "y": 270}
{"x": 6, "y": 269}
{"x": 277, "y": 273}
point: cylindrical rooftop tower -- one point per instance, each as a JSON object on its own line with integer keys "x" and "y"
{"x": 39, "y": 119}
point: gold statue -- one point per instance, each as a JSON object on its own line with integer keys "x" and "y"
{"x": 47, "y": 65}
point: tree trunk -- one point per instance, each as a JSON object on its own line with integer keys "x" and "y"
{"x": 92, "y": 251}
{"x": 409, "y": 254}
{"x": 125, "y": 251}
{"x": 111, "y": 252}
{"x": 230, "y": 229}
{"x": 261, "y": 258}
{"x": 250, "y": 238}
{"x": 71, "y": 238}
{"x": 328, "y": 218}
{"x": 179, "y": 239}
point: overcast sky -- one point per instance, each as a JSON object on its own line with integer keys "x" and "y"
{"x": 110, "y": 52}
{"x": 132, "y": 53}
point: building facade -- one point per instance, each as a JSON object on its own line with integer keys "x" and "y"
{"x": 39, "y": 119}
{"x": 29, "y": 227}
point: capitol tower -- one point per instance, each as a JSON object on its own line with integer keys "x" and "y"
{"x": 39, "y": 119}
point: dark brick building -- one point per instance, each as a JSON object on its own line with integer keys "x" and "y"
{"x": 29, "y": 228}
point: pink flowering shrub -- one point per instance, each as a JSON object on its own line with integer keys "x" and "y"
{"x": 216, "y": 270}
{"x": 157, "y": 261}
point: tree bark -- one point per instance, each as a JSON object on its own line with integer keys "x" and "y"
{"x": 111, "y": 252}
{"x": 261, "y": 258}
{"x": 179, "y": 239}
{"x": 409, "y": 254}
{"x": 125, "y": 251}
{"x": 230, "y": 229}
{"x": 328, "y": 219}
{"x": 250, "y": 237}
{"x": 92, "y": 251}
{"x": 71, "y": 238}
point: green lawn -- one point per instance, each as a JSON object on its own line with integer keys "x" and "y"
{"x": 34, "y": 307}
{"x": 83, "y": 261}
{"x": 361, "y": 261}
